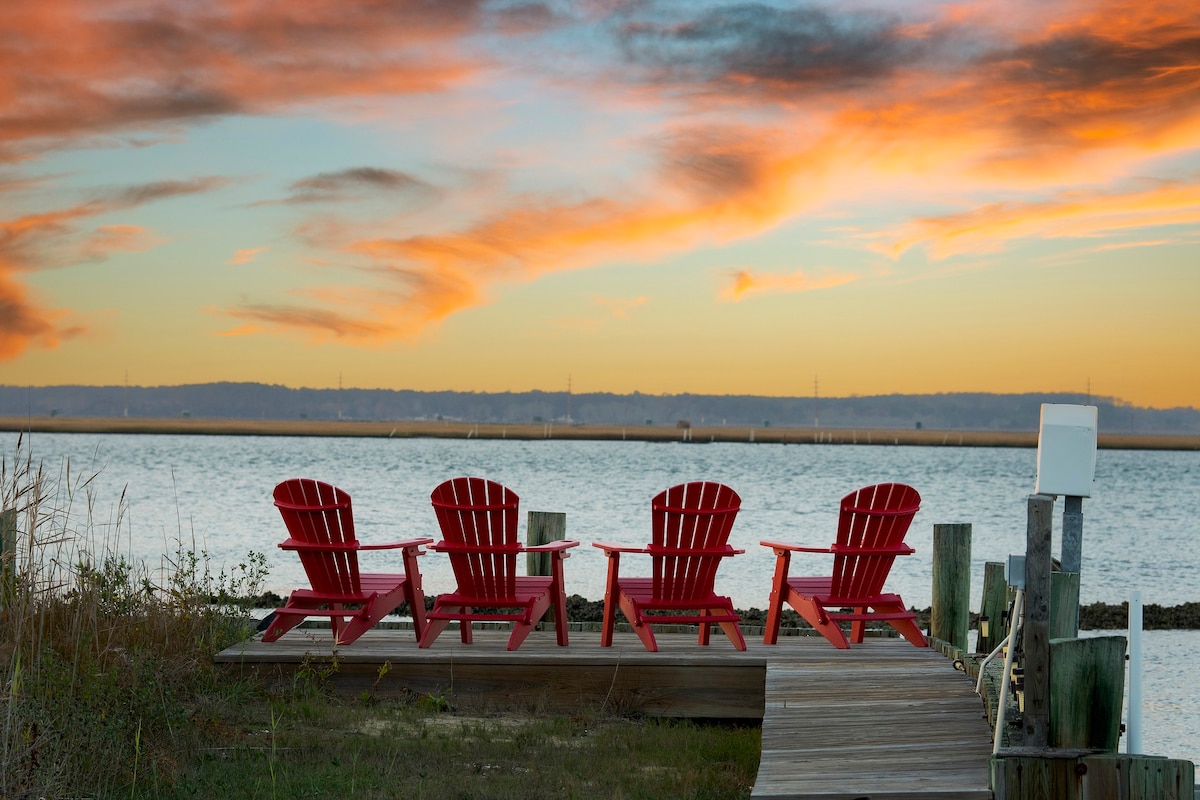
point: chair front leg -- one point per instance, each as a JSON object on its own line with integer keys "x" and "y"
{"x": 414, "y": 592}
{"x": 558, "y": 596}
{"x": 609, "y": 620}
{"x": 783, "y": 559}
{"x": 858, "y": 627}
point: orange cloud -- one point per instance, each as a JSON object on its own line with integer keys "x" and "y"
{"x": 746, "y": 283}
{"x": 1072, "y": 215}
{"x": 52, "y": 239}
{"x": 108, "y": 66}
{"x": 713, "y": 185}
{"x": 22, "y": 322}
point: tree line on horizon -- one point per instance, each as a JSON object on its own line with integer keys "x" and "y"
{"x": 951, "y": 411}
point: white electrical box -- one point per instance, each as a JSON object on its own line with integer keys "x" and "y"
{"x": 1066, "y": 461}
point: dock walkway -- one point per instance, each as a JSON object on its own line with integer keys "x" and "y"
{"x": 883, "y": 720}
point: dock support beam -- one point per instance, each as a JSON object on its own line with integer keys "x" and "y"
{"x": 993, "y": 607}
{"x": 543, "y": 527}
{"x": 8, "y": 555}
{"x": 1037, "y": 620}
{"x": 950, "y": 615}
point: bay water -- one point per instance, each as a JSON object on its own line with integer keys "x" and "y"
{"x": 149, "y": 496}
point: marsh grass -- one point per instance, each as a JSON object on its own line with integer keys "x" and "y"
{"x": 108, "y": 689}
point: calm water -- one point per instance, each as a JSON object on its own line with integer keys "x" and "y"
{"x": 212, "y": 493}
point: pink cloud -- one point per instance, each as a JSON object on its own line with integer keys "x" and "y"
{"x": 117, "y": 239}
{"x": 246, "y": 256}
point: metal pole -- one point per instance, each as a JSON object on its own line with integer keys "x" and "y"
{"x": 1072, "y": 543}
{"x": 1072, "y": 535}
{"x": 1133, "y": 744}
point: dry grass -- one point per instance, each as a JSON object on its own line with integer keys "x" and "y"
{"x": 652, "y": 433}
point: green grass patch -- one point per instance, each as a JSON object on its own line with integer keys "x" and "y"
{"x": 320, "y": 748}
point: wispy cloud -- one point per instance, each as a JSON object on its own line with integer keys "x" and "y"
{"x": 109, "y": 239}
{"x": 246, "y": 256}
{"x": 620, "y": 307}
{"x": 1075, "y": 214}
{"x": 745, "y": 283}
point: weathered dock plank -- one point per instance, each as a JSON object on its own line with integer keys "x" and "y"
{"x": 883, "y": 720}
{"x": 681, "y": 680}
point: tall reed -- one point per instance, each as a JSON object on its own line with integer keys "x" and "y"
{"x": 106, "y": 664}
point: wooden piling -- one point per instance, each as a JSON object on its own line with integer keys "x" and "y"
{"x": 1064, "y": 605}
{"x": 950, "y": 615}
{"x": 1078, "y": 775}
{"x": 1087, "y": 685}
{"x": 8, "y": 554}
{"x": 1036, "y": 719}
{"x": 993, "y": 605}
{"x": 543, "y": 527}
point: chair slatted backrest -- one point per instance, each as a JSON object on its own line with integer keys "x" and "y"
{"x": 480, "y": 515}
{"x": 872, "y": 518}
{"x": 691, "y": 526}
{"x": 318, "y": 513}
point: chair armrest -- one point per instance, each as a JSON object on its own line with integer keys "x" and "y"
{"x": 795, "y": 547}
{"x": 456, "y": 547}
{"x": 317, "y": 547}
{"x": 396, "y": 545}
{"x": 895, "y": 550}
{"x": 609, "y": 547}
{"x": 722, "y": 552}
{"x": 550, "y": 547}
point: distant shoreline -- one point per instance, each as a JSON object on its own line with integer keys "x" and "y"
{"x": 407, "y": 429}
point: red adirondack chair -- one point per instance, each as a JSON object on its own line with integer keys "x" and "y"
{"x": 689, "y": 537}
{"x": 320, "y": 527}
{"x": 478, "y": 519}
{"x": 871, "y": 529}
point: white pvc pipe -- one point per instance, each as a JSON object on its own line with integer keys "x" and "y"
{"x": 1133, "y": 744}
{"x": 1014, "y": 623}
{"x": 983, "y": 665}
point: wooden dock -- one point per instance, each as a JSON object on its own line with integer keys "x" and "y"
{"x": 881, "y": 720}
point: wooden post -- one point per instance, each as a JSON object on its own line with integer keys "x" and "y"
{"x": 993, "y": 605}
{"x": 8, "y": 554}
{"x": 543, "y": 527}
{"x": 950, "y": 618}
{"x": 1079, "y": 775}
{"x": 1087, "y": 687}
{"x": 1037, "y": 620}
{"x": 1064, "y": 605}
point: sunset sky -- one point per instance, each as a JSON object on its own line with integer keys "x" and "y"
{"x": 641, "y": 195}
